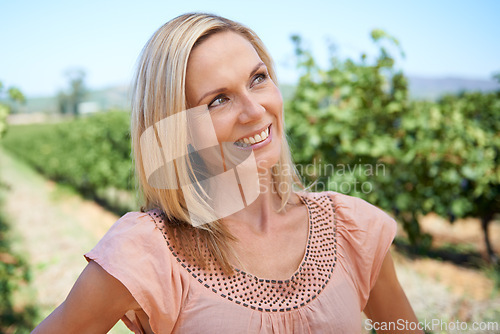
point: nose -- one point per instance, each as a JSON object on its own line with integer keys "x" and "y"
{"x": 251, "y": 108}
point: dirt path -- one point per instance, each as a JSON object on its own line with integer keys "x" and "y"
{"x": 54, "y": 227}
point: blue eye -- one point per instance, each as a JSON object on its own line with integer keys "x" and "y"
{"x": 220, "y": 99}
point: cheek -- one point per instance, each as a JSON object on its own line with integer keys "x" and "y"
{"x": 275, "y": 105}
{"x": 222, "y": 126}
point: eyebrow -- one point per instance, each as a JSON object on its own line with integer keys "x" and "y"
{"x": 218, "y": 90}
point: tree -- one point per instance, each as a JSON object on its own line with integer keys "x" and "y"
{"x": 346, "y": 121}
{"x": 496, "y": 76}
{"x": 473, "y": 121}
{"x": 15, "y": 96}
{"x": 70, "y": 100}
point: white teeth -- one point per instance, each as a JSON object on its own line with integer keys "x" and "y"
{"x": 245, "y": 142}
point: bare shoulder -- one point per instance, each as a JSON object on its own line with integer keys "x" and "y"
{"x": 95, "y": 303}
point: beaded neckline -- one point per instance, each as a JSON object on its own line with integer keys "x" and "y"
{"x": 302, "y": 261}
{"x": 268, "y": 295}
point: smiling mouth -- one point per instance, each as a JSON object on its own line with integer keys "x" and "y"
{"x": 258, "y": 138}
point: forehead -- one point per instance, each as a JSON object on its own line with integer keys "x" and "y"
{"x": 225, "y": 44}
{"x": 221, "y": 55}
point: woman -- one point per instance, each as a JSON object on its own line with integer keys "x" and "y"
{"x": 224, "y": 244}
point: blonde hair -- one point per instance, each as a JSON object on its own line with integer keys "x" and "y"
{"x": 159, "y": 92}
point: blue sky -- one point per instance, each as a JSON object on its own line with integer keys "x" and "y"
{"x": 41, "y": 39}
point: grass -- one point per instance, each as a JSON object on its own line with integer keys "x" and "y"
{"x": 494, "y": 274}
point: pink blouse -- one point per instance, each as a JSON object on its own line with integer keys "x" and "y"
{"x": 347, "y": 242}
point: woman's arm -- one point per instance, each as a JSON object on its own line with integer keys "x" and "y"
{"x": 94, "y": 305}
{"x": 388, "y": 303}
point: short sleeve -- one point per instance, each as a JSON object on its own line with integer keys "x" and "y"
{"x": 365, "y": 236}
{"x": 134, "y": 251}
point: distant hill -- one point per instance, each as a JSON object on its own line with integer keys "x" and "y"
{"x": 422, "y": 88}
{"x": 117, "y": 97}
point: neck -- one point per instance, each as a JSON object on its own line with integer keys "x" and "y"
{"x": 257, "y": 216}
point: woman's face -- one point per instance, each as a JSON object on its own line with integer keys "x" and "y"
{"x": 225, "y": 73}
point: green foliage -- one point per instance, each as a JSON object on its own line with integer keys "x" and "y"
{"x": 90, "y": 153}
{"x": 16, "y": 95}
{"x": 455, "y": 150}
{"x": 355, "y": 129}
{"x": 345, "y": 121}
{"x": 14, "y": 272}
{"x": 13, "y": 94}
{"x": 4, "y": 112}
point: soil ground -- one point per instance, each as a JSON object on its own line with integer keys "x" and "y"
{"x": 54, "y": 227}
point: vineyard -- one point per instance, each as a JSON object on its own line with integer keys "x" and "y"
{"x": 90, "y": 154}
{"x": 352, "y": 129}
{"x": 438, "y": 157}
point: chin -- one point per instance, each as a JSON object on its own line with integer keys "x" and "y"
{"x": 266, "y": 159}
{"x": 265, "y": 165}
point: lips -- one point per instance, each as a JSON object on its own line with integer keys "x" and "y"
{"x": 255, "y": 139}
